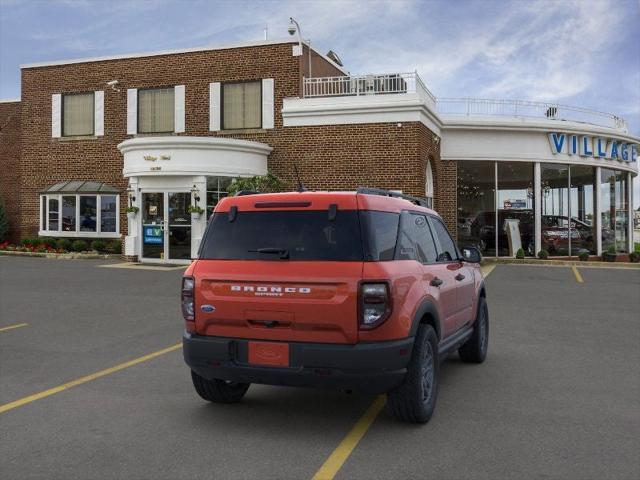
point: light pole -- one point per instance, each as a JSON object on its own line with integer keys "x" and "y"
{"x": 294, "y": 27}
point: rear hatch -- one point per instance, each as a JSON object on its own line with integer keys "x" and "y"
{"x": 280, "y": 271}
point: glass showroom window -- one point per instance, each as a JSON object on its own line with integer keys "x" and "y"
{"x": 216, "y": 190}
{"x": 77, "y": 114}
{"x": 156, "y": 110}
{"x": 241, "y": 105}
{"x": 80, "y": 215}
{"x": 515, "y": 208}
{"x": 614, "y": 209}
{"x": 477, "y": 205}
{"x": 581, "y": 204}
{"x": 555, "y": 208}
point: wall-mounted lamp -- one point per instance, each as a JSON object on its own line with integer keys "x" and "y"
{"x": 195, "y": 195}
{"x": 132, "y": 197}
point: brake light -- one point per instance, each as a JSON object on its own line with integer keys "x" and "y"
{"x": 187, "y": 298}
{"x": 375, "y": 304}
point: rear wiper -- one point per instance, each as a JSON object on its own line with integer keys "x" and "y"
{"x": 284, "y": 253}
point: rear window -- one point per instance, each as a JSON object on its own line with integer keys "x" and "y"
{"x": 380, "y": 231}
{"x": 276, "y": 235}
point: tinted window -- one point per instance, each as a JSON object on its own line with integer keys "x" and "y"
{"x": 415, "y": 241}
{"x": 303, "y": 235}
{"x": 446, "y": 248}
{"x": 379, "y": 231}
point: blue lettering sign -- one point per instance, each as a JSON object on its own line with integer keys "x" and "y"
{"x": 601, "y": 150}
{"x": 586, "y": 147}
{"x": 624, "y": 153}
{"x": 634, "y": 153}
{"x": 573, "y": 149}
{"x": 614, "y": 150}
{"x": 153, "y": 235}
{"x": 557, "y": 142}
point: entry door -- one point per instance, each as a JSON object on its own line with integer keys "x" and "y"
{"x": 166, "y": 227}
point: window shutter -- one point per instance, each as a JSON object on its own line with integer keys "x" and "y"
{"x": 267, "y": 103}
{"x": 132, "y": 111}
{"x": 98, "y": 111}
{"x": 179, "y": 111}
{"x": 214, "y": 106}
{"x": 56, "y": 115}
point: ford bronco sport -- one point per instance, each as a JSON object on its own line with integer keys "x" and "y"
{"x": 363, "y": 291}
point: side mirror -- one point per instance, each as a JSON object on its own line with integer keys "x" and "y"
{"x": 471, "y": 255}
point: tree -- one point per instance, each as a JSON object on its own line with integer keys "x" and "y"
{"x": 268, "y": 183}
{"x": 4, "y": 222}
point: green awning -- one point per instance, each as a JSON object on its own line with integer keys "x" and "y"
{"x": 81, "y": 186}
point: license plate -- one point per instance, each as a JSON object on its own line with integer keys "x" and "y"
{"x": 269, "y": 353}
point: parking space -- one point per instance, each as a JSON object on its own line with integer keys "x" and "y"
{"x": 558, "y": 396}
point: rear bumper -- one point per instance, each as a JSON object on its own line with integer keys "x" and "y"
{"x": 366, "y": 367}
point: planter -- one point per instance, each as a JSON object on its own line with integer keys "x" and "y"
{"x": 634, "y": 257}
{"x": 609, "y": 257}
{"x": 131, "y": 216}
{"x": 195, "y": 215}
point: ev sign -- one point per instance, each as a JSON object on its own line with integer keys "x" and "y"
{"x": 597, "y": 147}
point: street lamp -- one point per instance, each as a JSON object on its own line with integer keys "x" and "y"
{"x": 294, "y": 27}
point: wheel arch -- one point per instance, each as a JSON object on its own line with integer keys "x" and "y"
{"x": 427, "y": 314}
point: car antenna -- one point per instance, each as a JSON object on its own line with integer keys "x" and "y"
{"x": 301, "y": 187}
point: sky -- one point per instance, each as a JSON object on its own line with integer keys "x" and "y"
{"x": 584, "y": 53}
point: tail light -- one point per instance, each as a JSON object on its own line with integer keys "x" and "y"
{"x": 187, "y": 298}
{"x": 375, "y": 304}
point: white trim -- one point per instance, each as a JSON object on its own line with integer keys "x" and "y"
{"x": 132, "y": 111}
{"x": 537, "y": 207}
{"x": 171, "y": 52}
{"x": 179, "y": 100}
{"x": 268, "y": 103}
{"x": 62, "y": 234}
{"x": 630, "y": 219}
{"x": 598, "y": 211}
{"x": 214, "y": 107}
{"x": 10, "y": 100}
{"x": 56, "y": 115}
{"x": 78, "y": 233}
{"x": 98, "y": 112}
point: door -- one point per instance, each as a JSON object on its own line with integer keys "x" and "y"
{"x": 166, "y": 227}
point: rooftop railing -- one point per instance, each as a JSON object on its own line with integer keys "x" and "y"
{"x": 528, "y": 109}
{"x": 402, "y": 83}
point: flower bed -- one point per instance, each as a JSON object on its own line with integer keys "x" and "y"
{"x": 53, "y": 246}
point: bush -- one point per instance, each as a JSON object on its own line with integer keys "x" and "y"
{"x": 611, "y": 250}
{"x": 4, "y": 222}
{"x": 64, "y": 244}
{"x": 97, "y": 245}
{"x": 583, "y": 256}
{"x": 268, "y": 183}
{"x": 543, "y": 254}
{"x": 115, "y": 247}
{"x": 79, "y": 246}
{"x": 29, "y": 242}
{"x": 520, "y": 253}
{"x": 47, "y": 242}
{"x": 634, "y": 257}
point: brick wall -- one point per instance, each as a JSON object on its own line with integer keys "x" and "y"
{"x": 328, "y": 157}
{"x": 10, "y": 164}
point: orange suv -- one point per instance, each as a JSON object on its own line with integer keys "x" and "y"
{"x": 363, "y": 291}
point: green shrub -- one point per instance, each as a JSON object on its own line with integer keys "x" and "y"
{"x": 4, "y": 222}
{"x": 520, "y": 253}
{"x": 79, "y": 246}
{"x": 115, "y": 247}
{"x": 634, "y": 257}
{"x": 64, "y": 244}
{"x": 28, "y": 241}
{"x": 97, "y": 245}
{"x": 543, "y": 254}
{"x": 268, "y": 183}
{"x": 47, "y": 242}
{"x": 583, "y": 256}
{"x": 611, "y": 249}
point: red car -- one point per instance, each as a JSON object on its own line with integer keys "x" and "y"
{"x": 358, "y": 291}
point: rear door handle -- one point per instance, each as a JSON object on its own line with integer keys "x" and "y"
{"x": 459, "y": 277}
{"x": 436, "y": 282}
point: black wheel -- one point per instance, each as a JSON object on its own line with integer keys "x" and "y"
{"x": 219, "y": 391}
{"x": 474, "y": 350}
{"x": 415, "y": 399}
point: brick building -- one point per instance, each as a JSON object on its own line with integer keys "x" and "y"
{"x": 165, "y": 130}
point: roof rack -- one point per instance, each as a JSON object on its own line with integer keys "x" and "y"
{"x": 421, "y": 201}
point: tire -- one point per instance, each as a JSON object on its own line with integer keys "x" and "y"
{"x": 474, "y": 350}
{"x": 415, "y": 399}
{"x": 219, "y": 391}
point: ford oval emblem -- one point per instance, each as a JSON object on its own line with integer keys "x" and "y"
{"x": 208, "y": 308}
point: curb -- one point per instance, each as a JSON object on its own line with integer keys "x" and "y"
{"x": 64, "y": 256}
{"x": 561, "y": 263}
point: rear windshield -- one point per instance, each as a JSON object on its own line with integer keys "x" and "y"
{"x": 284, "y": 235}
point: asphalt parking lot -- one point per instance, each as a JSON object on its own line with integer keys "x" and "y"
{"x": 558, "y": 397}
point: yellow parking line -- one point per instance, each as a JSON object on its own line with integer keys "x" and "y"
{"x": 11, "y": 327}
{"x": 487, "y": 269}
{"x": 74, "y": 383}
{"x": 335, "y": 461}
{"x": 577, "y": 274}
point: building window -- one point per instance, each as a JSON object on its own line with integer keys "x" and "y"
{"x": 216, "y": 190}
{"x": 241, "y": 105}
{"x": 78, "y": 114}
{"x": 156, "y": 110}
{"x": 75, "y": 215}
{"x": 515, "y": 207}
{"x": 428, "y": 187}
{"x": 477, "y": 205}
{"x": 614, "y": 210}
